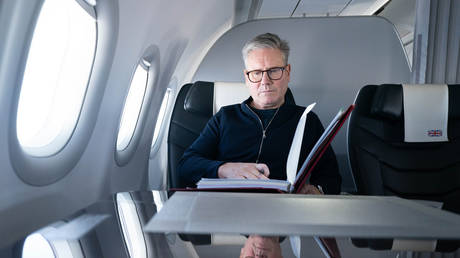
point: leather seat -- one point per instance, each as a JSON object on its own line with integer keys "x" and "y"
{"x": 383, "y": 162}
{"x": 187, "y": 120}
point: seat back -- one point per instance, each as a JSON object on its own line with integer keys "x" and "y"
{"x": 388, "y": 158}
{"x": 187, "y": 120}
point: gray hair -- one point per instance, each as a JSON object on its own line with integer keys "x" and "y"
{"x": 267, "y": 40}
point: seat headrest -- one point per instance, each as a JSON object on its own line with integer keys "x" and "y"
{"x": 388, "y": 99}
{"x": 388, "y": 102}
{"x": 206, "y": 98}
{"x": 424, "y": 109}
{"x": 198, "y": 98}
{"x": 228, "y": 93}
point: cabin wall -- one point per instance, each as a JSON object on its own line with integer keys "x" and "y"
{"x": 87, "y": 169}
{"x": 436, "y": 42}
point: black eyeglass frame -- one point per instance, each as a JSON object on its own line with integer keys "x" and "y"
{"x": 283, "y": 68}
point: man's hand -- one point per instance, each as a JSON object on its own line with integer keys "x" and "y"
{"x": 243, "y": 170}
{"x": 261, "y": 247}
{"x": 309, "y": 189}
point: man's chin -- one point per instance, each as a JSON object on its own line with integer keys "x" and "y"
{"x": 267, "y": 99}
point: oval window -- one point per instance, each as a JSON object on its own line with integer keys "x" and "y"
{"x": 36, "y": 245}
{"x": 161, "y": 116}
{"x": 131, "y": 225}
{"x": 56, "y": 76}
{"x": 133, "y": 105}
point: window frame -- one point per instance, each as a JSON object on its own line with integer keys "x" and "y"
{"x": 42, "y": 171}
{"x": 156, "y": 143}
{"x": 125, "y": 232}
{"x": 151, "y": 55}
{"x": 63, "y": 137}
{"x": 134, "y": 121}
{"x": 59, "y": 247}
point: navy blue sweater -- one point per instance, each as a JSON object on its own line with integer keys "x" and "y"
{"x": 235, "y": 134}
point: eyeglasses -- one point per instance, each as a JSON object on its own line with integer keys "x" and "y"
{"x": 274, "y": 73}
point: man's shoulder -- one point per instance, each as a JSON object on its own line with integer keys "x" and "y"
{"x": 231, "y": 107}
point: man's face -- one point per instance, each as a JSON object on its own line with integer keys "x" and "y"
{"x": 268, "y": 93}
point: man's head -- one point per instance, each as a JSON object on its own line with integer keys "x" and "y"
{"x": 267, "y": 70}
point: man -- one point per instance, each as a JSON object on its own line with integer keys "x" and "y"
{"x": 253, "y": 139}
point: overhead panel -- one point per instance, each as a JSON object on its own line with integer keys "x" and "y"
{"x": 308, "y": 8}
{"x": 402, "y": 15}
{"x": 276, "y": 8}
{"x": 357, "y": 7}
{"x": 320, "y": 7}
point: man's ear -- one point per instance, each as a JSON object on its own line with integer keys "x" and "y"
{"x": 288, "y": 69}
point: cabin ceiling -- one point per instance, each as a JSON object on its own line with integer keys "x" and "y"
{"x": 399, "y": 12}
{"x": 296, "y": 8}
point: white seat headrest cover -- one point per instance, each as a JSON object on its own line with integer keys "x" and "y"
{"x": 228, "y": 93}
{"x": 425, "y": 112}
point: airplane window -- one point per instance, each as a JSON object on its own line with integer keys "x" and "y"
{"x": 132, "y": 106}
{"x": 161, "y": 115}
{"x": 158, "y": 200}
{"x": 36, "y": 245}
{"x": 131, "y": 226}
{"x": 56, "y": 76}
{"x": 91, "y": 2}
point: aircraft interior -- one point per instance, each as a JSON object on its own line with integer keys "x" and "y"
{"x": 100, "y": 99}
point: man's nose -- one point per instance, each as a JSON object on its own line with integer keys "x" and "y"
{"x": 265, "y": 78}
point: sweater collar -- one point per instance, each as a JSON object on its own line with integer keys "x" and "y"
{"x": 287, "y": 101}
{"x": 287, "y": 106}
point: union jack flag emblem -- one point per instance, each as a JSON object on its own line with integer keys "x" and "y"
{"x": 434, "y": 133}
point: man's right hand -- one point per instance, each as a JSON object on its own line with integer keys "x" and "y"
{"x": 243, "y": 170}
{"x": 260, "y": 246}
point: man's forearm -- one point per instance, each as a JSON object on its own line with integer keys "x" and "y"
{"x": 192, "y": 168}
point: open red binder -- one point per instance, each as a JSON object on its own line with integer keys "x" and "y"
{"x": 272, "y": 185}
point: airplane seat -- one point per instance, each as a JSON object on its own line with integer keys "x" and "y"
{"x": 403, "y": 140}
{"x": 187, "y": 120}
{"x": 196, "y": 103}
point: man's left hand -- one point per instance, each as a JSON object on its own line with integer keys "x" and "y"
{"x": 261, "y": 247}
